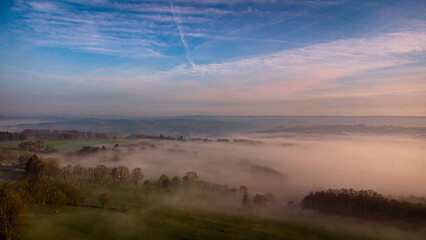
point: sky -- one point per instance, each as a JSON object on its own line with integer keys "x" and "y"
{"x": 212, "y": 57}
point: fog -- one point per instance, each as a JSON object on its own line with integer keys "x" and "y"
{"x": 289, "y": 167}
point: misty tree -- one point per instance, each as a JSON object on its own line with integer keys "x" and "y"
{"x": 67, "y": 173}
{"x": 123, "y": 174}
{"x": 137, "y": 175}
{"x": 164, "y": 181}
{"x": 52, "y": 167}
{"x": 246, "y": 201}
{"x": 77, "y": 173}
{"x": 100, "y": 174}
{"x": 104, "y": 199}
{"x": 12, "y": 214}
{"x": 176, "y": 181}
{"x": 193, "y": 176}
{"x": 260, "y": 200}
{"x": 190, "y": 178}
{"x": 147, "y": 183}
{"x": 243, "y": 189}
{"x": 116, "y": 158}
{"x": 270, "y": 197}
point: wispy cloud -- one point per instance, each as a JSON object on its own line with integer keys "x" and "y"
{"x": 182, "y": 36}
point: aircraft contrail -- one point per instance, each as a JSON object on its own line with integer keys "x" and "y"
{"x": 182, "y": 36}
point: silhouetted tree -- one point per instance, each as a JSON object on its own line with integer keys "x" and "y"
{"x": 363, "y": 204}
{"x": 246, "y": 201}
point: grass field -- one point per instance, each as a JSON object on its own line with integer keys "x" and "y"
{"x": 164, "y": 223}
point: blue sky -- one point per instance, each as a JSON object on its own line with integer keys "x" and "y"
{"x": 215, "y": 57}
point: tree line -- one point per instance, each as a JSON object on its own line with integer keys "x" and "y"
{"x": 363, "y": 204}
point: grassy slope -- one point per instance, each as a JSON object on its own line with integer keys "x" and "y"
{"x": 91, "y": 223}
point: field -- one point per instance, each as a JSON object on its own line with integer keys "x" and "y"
{"x": 160, "y": 223}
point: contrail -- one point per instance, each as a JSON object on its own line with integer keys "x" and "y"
{"x": 182, "y": 36}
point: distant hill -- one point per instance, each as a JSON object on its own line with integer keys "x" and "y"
{"x": 343, "y": 129}
{"x": 217, "y": 126}
{"x": 174, "y": 127}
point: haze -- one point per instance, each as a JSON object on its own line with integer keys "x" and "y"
{"x": 391, "y": 165}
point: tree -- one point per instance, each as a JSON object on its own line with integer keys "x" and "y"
{"x": 147, "y": 183}
{"x": 192, "y": 176}
{"x": 116, "y": 158}
{"x": 260, "y": 200}
{"x": 73, "y": 194}
{"x": 12, "y": 214}
{"x": 137, "y": 175}
{"x": 246, "y": 201}
{"x": 123, "y": 174}
{"x": 104, "y": 199}
{"x": 40, "y": 188}
{"x": 56, "y": 199}
{"x": 176, "y": 181}
{"x": 52, "y": 167}
{"x": 23, "y": 158}
{"x": 164, "y": 181}
{"x": 270, "y": 197}
{"x": 243, "y": 189}
{"x": 100, "y": 174}
{"x": 67, "y": 172}
{"x": 35, "y": 166}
